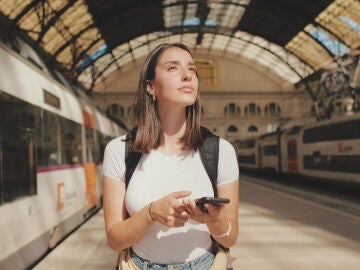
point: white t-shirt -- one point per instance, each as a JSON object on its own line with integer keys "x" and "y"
{"x": 156, "y": 176}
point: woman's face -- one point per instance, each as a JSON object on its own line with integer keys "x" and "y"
{"x": 175, "y": 79}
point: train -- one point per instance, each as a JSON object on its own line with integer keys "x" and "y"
{"x": 52, "y": 142}
{"x": 327, "y": 150}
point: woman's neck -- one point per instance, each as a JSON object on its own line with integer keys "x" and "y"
{"x": 173, "y": 126}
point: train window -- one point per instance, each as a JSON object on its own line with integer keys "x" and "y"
{"x": 270, "y": 150}
{"x": 247, "y": 144}
{"x": 247, "y": 159}
{"x": 19, "y": 124}
{"x": 50, "y": 153}
{"x": 333, "y": 163}
{"x": 60, "y": 141}
{"x": 337, "y": 131}
{"x": 312, "y": 135}
{"x": 71, "y": 138}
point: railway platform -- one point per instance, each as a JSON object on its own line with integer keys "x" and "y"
{"x": 278, "y": 231}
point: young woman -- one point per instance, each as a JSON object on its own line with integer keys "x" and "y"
{"x": 165, "y": 229}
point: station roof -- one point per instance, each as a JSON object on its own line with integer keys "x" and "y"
{"x": 89, "y": 39}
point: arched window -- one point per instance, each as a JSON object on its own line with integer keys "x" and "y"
{"x": 232, "y": 110}
{"x": 272, "y": 109}
{"x": 252, "y": 109}
{"x": 253, "y": 128}
{"x": 232, "y": 128}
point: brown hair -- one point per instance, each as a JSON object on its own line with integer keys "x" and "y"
{"x": 149, "y": 128}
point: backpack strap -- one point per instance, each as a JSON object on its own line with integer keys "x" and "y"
{"x": 132, "y": 158}
{"x": 209, "y": 153}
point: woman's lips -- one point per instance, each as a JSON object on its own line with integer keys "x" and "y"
{"x": 186, "y": 88}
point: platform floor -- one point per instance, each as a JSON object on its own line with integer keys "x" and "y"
{"x": 278, "y": 231}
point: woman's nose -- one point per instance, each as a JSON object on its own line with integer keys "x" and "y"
{"x": 187, "y": 76}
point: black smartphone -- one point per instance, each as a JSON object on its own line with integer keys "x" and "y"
{"x": 213, "y": 200}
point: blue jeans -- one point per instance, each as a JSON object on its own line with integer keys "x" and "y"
{"x": 202, "y": 263}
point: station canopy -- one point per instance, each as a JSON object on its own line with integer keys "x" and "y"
{"x": 90, "y": 39}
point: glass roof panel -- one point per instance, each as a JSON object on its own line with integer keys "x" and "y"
{"x": 207, "y": 41}
{"x": 12, "y": 8}
{"x": 52, "y": 40}
{"x": 110, "y": 69}
{"x": 127, "y": 58}
{"x": 140, "y": 52}
{"x": 93, "y": 57}
{"x": 103, "y": 62}
{"x": 168, "y": 2}
{"x": 120, "y": 50}
{"x": 190, "y": 10}
{"x": 251, "y": 51}
{"x": 173, "y": 16}
{"x": 236, "y": 46}
{"x": 308, "y": 49}
{"x": 188, "y": 39}
{"x": 334, "y": 46}
{"x": 227, "y": 15}
{"x": 220, "y": 42}
{"x": 30, "y": 22}
{"x": 85, "y": 78}
{"x": 341, "y": 18}
{"x": 136, "y": 42}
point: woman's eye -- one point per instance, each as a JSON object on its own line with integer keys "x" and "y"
{"x": 172, "y": 68}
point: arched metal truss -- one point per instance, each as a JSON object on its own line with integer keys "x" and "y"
{"x": 285, "y": 64}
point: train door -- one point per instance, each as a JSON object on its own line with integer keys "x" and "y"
{"x": 259, "y": 157}
{"x": 90, "y": 161}
{"x": 292, "y": 156}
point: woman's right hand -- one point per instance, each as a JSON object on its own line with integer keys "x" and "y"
{"x": 169, "y": 210}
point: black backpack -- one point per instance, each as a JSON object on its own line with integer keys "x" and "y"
{"x": 209, "y": 153}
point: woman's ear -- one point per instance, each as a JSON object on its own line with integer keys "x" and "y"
{"x": 150, "y": 88}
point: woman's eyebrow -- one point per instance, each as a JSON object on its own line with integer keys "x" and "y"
{"x": 175, "y": 62}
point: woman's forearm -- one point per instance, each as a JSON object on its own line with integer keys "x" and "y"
{"x": 126, "y": 233}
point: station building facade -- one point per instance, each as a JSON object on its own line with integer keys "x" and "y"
{"x": 238, "y": 99}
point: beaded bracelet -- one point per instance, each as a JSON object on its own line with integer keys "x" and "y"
{"x": 226, "y": 234}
